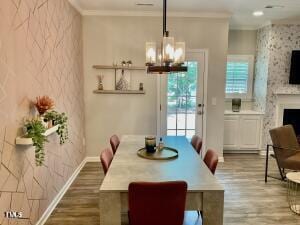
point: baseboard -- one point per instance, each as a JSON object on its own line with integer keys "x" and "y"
{"x": 60, "y": 194}
{"x": 92, "y": 159}
{"x": 221, "y": 159}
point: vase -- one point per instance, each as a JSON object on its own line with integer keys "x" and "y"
{"x": 122, "y": 84}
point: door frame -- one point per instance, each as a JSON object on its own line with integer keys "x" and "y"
{"x": 205, "y": 78}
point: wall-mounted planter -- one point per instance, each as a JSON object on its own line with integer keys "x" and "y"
{"x": 28, "y": 141}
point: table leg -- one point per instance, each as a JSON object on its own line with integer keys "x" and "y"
{"x": 110, "y": 208}
{"x": 213, "y": 207}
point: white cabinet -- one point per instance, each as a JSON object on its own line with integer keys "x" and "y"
{"x": 231, "y": 128}
{"x": 242, "y": 131}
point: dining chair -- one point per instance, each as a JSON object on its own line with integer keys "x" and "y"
{"x": 106, "y": 157}
{"x": 161, "y": 203}
{"x": 114, "y": 142}
{"x": 211, "y": 160}
{"x": 196, "y": 142}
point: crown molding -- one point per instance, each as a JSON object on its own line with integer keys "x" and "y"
{"x": 243, "y": 27}
{"x": 76, "y": 5}
{"x": 289, "y": 21}
{"x": 218, "y": 15}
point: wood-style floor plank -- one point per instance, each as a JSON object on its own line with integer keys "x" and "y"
{"x": 248, "y": 200}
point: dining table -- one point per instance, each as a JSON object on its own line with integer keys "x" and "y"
{"x": 204, "y": 192}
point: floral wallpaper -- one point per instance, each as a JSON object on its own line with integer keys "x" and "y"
{"x": 274, "y": 47}
{"x": 40, "y": 54}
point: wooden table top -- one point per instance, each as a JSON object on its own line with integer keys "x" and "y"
{"x": 127, "y": 167}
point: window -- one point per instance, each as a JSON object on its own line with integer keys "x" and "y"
{"x": 181, "y": 100}
{"x": 239, "y": 76}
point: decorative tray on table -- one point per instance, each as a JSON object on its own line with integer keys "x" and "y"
{"x": 166, "y": 153}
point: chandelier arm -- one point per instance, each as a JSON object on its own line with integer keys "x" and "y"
{"x": 164, "y": 17}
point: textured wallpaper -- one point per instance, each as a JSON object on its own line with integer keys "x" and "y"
{"x": 275, "y": 45}
{"x": 40, "y": 54}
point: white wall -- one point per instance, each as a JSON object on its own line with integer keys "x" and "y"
{"x": 109, "y": 39}
{"x": 241, "y": 42}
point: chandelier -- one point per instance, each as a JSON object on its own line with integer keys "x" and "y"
{"x": 170, "y": 57}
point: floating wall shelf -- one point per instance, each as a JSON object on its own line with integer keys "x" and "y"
{"x": 118, "y": 92}
{"x": 119, "y": 67}
{"x": 28, "y": 141}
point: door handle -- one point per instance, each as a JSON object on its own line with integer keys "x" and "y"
{"x": 200, "y": 105}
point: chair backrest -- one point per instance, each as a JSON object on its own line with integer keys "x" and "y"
{"x": 284, "y": 137}
{"x": 106, "y": 157}
{"x": 157, "y": 203}
{"x": 114, "y": 142}
{"x": 196, "y": 142}
{"x": 211, "y": 160}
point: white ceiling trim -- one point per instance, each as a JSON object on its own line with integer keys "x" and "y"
{"x": 76, "y": 5}
{"x": 243, "y": 27}
{"x": 219, "y": 15}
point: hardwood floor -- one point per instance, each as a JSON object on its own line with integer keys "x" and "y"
{"x": 248, "y": 200}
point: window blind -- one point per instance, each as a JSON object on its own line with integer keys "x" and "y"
{"x": 237, "y": 77}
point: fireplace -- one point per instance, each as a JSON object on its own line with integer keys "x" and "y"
{"x": 292, "y": 116}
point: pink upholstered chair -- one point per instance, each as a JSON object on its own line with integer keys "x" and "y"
{"x": 157, "y": 203}
{"x": 211, "y": 160}
{"x": 114, "y": 142}
{"x": 196, "y": 142}
{"x": 106, "y": 157}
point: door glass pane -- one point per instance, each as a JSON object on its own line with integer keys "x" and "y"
{"x": 180, "y": 132}
{"x": 181, "y": 101}
{"x": 191, "y": 113}
{"x": 171, "y": 132}
{"x": 190, "y": 133}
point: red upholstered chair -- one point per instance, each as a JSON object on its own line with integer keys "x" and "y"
{"x": 114, "y": 142}
{"x": 106, "y": 157}
{"x": 196, "y": 142}
{"x": 211, "y": 160}
{"x": 157, "y": 203}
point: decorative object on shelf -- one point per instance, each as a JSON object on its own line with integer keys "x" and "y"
{"x": 141, "y": 87}
{"x": 35, "y": 130}
{"x": 43, "y": 104}
{"x": 123, "y": 63}
{"x": 166, "y": 153}
{"x": 59, "y": 119}
{"x": 236, "y": 104}
{"x": 150, "y": 144}
{"x": 100, "y": 82}
{"x": 171, "y": 57}
{"x": 129, "y": 63}
{"x": 123, "y": 83}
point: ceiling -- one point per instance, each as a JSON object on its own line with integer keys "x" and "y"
{"x": 240, "y": 11}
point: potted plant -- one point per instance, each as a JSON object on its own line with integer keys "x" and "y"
{"x": 35, "y": 130}
{"x": 43, "y": 104}
{"x": 59, "y": 119}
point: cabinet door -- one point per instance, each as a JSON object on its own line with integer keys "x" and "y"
{"x": 250, "y": 132}
{"x": 231, "y": 132}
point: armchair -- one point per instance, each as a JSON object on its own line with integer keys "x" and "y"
{"x": 286, "y": 150}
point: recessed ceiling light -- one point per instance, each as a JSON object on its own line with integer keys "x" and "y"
{"x": 144, "y": 4}
{"x": 258, "y": 13}
{"x": 274, "y": 7}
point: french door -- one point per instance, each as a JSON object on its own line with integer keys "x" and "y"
{"x": 182, "y": 108}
